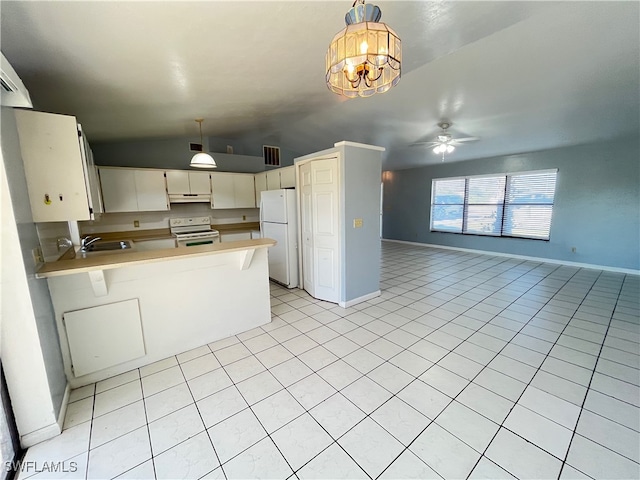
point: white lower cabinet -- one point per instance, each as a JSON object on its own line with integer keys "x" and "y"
{"x": 232, "y": 237}
{"x": 103, "y": 336}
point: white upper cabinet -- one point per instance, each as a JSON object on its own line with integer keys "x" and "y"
{"x": 260, "y": 180}
{"x": 223, "y": 195}
{"x": 273, "y": 179}
{"x": 244, "y": 187}
{"x": 288, "y": 177}
{"x": 133, "y": 190}
{"x": 232, "y": 190}
{"x": 181, "y": 182}
{"x": 151, "y": 190}
{"x": 200, "y": 182}
{"x": 178, "y": 182}
{"x": 58, "y": 173}
{"x": 118, "y": 190}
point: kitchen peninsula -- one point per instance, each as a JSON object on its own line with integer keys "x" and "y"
{"x": 120, "y": 311}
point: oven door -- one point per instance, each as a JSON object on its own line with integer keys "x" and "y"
{"x": 185, "y": 241}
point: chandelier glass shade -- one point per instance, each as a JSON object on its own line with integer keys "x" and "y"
{"x": 365, "y": 57}
{"x": 202, "y": 159}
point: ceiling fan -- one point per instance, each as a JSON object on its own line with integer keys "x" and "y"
{"x": 444, "y": 142}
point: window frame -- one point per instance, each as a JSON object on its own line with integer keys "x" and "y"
{"x": 500, "y": 206}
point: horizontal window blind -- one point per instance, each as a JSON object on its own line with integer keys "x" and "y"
{"x": 447, "y": 205}
{"x": 518, "y": 205}
{"x": 529, "y": 205}
{"x": 484, "y": 200}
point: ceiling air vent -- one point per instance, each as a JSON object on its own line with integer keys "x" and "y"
{"x": 271, "y": 155}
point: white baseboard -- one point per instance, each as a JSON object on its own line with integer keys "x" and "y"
{"x": 63, "y": 407}
{"x": 361, "y": 299}
{"x": 521, "y": 257}
{"x": 40, "y": 435}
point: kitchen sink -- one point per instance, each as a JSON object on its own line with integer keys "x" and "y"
{"x": 106, "y": 246}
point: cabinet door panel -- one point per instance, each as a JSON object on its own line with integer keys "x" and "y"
{"x": 151, "y": 190}
{"x": 223, "y": 191}
{"x": 178, "y": 182}
{"x": 260, "y": 180}
{"x": 200, "y": 182}
{"x": 273, "y": 180}
{"x": 104, "y": 336}
{"x": 118, "y": 190}
{"x": 245, "y": 196}
{"x": 288, "y": 177}
{"x": 53, "y": 166}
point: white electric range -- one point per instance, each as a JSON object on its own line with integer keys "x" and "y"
{"x": 193, "y": 231}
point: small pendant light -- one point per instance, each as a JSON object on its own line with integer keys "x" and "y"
{"x": 202, "y": 159}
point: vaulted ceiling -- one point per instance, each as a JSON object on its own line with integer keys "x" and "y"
{"x": 522, "y": 76}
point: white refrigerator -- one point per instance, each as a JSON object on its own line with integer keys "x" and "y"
{"x": 279, "y": 221}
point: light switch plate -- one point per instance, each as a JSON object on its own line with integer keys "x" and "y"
{"x": 357, "y": 223}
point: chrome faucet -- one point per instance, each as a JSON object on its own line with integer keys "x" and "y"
{"x": 88, "y": 240}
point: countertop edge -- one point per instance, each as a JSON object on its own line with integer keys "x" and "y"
{"x": 118, "y": 260}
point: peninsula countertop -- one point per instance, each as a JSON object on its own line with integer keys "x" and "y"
{"x": 69, "y": 264}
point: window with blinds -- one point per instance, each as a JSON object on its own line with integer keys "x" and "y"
{"x": 484, "y": 200}
{"x": 529, "y": 205}
{"x": 518, "y": 205}
{"x": 447, "y": 205}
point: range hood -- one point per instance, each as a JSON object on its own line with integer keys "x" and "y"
{"x": 189, "y": 198}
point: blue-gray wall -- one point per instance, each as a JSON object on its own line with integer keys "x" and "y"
{"x": 28, "y": 235}
{"x": 597, "y": 204}
{"x": 174, "y": 153}
{"x": 361, "y": 170}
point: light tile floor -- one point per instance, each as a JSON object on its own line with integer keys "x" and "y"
{"x": 467, "y": 366}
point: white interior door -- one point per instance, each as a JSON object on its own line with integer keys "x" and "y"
{"x": 326, "y": 228}
{"x": 306, "y": 218}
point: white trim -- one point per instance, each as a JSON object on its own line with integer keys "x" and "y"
{"x": 63, "y": 407}
{"x": 40, "y": 435}
{"x": 500, "y": 174}
{"x": 361, "y": 299}
{"x": 606, "y": 268}
{"x": 345, "y": 143}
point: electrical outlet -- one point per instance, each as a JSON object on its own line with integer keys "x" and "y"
{"x": 573, "y": 249}
{"x": 136, "y": 223}
{"x": 37, "y": 255}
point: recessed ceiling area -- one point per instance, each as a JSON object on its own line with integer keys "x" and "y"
{"x": 521, "y": 76}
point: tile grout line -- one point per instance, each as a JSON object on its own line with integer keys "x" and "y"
{"x": 574, "y": 433}
{"x": 520, "y": 396}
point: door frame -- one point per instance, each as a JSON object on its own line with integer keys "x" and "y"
{"x": 297, "y": 164}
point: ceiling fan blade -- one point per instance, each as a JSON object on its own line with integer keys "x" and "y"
{"x": 424, "y": 144}
{"x": 466, "y": 139}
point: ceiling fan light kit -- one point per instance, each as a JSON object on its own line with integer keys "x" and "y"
{"x": 365, "y": 57}
{"x": 444, "y": 142}
{"x": 202, "y": 159}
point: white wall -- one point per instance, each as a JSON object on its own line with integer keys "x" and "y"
{"x": 22, "y": 357}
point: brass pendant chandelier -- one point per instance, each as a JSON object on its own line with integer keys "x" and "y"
{"x": 365, "y": 57}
